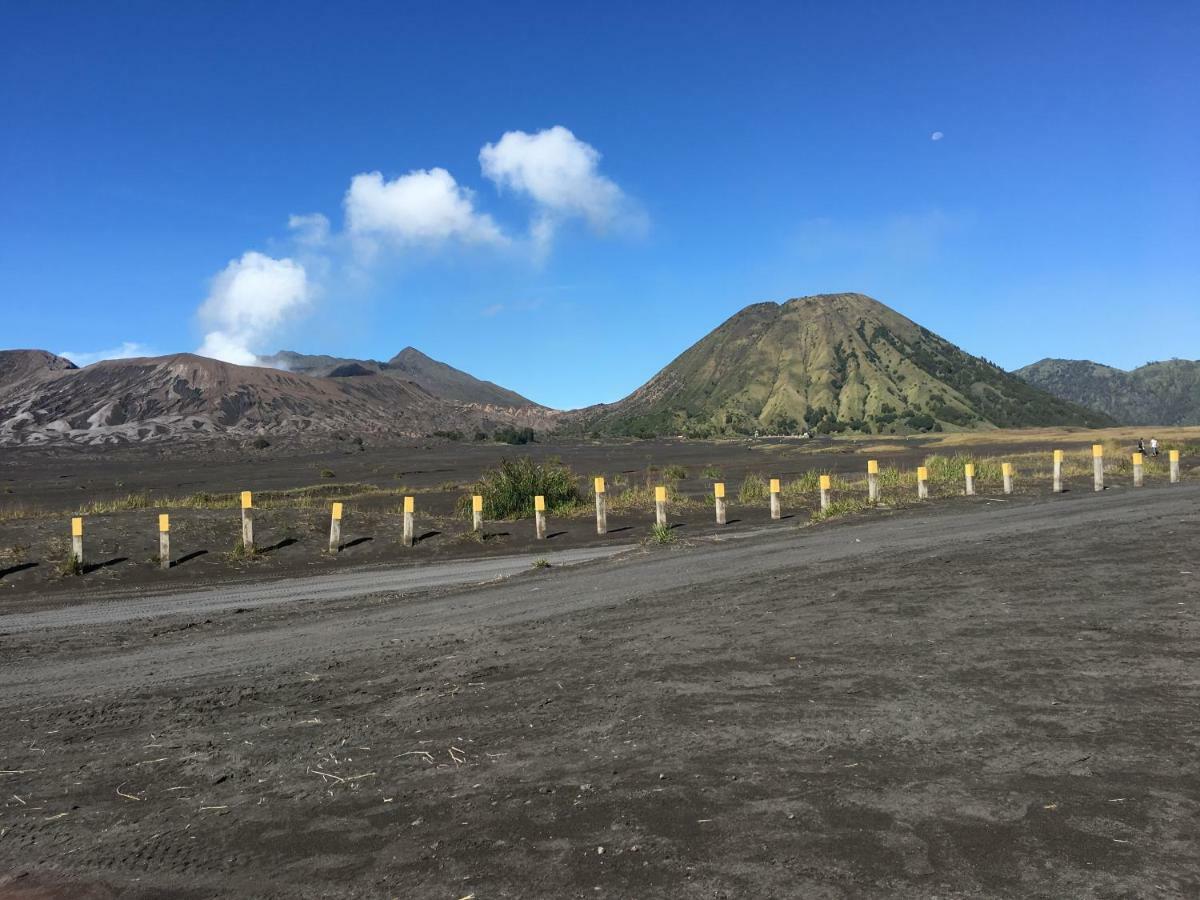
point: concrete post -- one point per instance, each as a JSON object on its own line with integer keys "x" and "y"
{"x": 477, "y": 513}
{"x": 409, "y": 508}
{"x": 873, "y": 480}
{"x": 539, "y": 516}
{"x": 1058, "y": 458}
{"x": 164, "y": 541}
{"x": 826, "y": 487}
{"x": 335, "y": 529}
{"x": 1006, "y": 471}
{"x": 1098, "y": 467}
{"x": 660, "y": 505}
{"x": 969, "y": 473}
{"x": 247, "y": 522}
{"x": 77, "y": 543}
{"x": 922, "y": 483}
{"x": 1174, "y": 458}
{"x": 601, "y": 507}
{"x": 1137, "y": 470}
{"x": 776, "y": 509}
{"x": 719, "y": 501}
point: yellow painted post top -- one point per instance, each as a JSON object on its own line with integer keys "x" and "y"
{"x": 1005, "y": 468}
{"x": 969, "y": 468}
{"x": 410, "y": 504}
{"x": 774, "y": 485}
{"x": 922, "y": 473}
{"x": 826, "y": 482}
{"x": 872, "y": 467}
{"x": 599, "y": 485}
{"x": 1097, "y": 450}
{"x": 247, "y": 500}
{"x": 719, "y": 489}
{"x": 1174, "y": 455}
{"x": 539, "y": 503}
{"x": 337, "y": 511}
{"x": 1137, "y": 459}
{"x": 476, "y": 503}
{"x": 164, "y": 523}
{"x": 1058, "y": 455}
{"x": 77, "y": 527}
{"x": 660, "y": 494}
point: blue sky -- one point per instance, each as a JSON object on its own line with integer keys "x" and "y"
{"x": 571, "y": 194}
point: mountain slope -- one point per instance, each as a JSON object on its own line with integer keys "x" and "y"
{"x": 828, "y": 363}
{"x": 183, "y": 395}
{"x": 411, "y": 365}
{"x": 19, "y": 366}
{"x": 1158, "y": 393}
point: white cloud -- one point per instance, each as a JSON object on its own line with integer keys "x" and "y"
{"x": 561, "y": 174}
{"x": 936, "y": 136}
{"x": 311, "y": 230}
{"x": 249, "y": 300}
{"x": 424, "y": 206}
{"x": 127, "y": 350}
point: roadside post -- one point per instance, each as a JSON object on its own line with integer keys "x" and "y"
{"x": 1174, "y": 458}
{"x": 969, "y": 473}
{"x": 922, "y": 483}
{"x": 164, "y": 541}
{"x": 873, "y": 480}
{"x": 1006, "y": 471}
{"x": 1098, "y": 467}
{"x": 660, "y": 505}
{"x": 247, "y": 522}
{"x": 409, "y": 508}
{"x": 1058, "y": 458}
{"x": 1137, "y": 470}
{"x": 539, "y": 516}
{"x": 477, "y": 512}
{"x": 776, "y": 509}
{"x": 335, "y": 529}
{"x": 719, "y": 501}
{"x": 77, "y": 542}
{"x": 601, "y": 506}
{"x": 826, "y": 487}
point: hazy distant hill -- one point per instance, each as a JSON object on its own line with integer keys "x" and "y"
{"x": 829, "y": 363}
{"x": 410, "y": 364}
{"x": 1158, "y": 393}
{"x": 45, "y": 398}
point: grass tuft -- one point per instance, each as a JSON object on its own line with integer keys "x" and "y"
{"x": 754, "y": 489}
{"x": 661, "y": 534}
{"x": 842, "y": 507}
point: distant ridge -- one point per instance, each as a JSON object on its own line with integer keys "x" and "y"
{"x": 44, "y": 398}
{"x": 437, "y": 378}
{"x": 828, "y": 363}
{"x": 1158, "y": 393}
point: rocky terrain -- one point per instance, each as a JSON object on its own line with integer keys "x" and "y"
{"x": 46, "y": 399}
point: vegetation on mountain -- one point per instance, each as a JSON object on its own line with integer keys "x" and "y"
{"x": 828, "y": 364}
{"x": 1158, "y": 393}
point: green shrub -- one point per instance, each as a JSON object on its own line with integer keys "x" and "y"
{"x": 328, "y": 473}
{"x": 674, "y": 473}
{"x": 711, "y": 471}
{"x": 508, "y": 490}
{"x": 510, "y": 435}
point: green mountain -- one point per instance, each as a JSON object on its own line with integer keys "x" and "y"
{"x": 829, "y": 363}
{"x": 1158, "y": 393}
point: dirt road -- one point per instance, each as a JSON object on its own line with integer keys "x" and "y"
{"x": 988, "y": 699}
